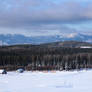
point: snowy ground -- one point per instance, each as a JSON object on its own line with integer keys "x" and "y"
{"x": 47, "y": 82}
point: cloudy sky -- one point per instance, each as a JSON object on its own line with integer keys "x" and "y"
{"x": 45, "y": 17}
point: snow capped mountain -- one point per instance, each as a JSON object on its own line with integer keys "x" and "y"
{"x": 21, "y": 39}
{"x": 71, "y": 35}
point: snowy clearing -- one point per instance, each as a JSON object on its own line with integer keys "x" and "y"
{"x": 76, "y": 81}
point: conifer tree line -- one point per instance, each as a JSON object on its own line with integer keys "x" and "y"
{"x": 45, "y": 58}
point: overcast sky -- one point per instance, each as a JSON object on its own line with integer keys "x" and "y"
{"x": 45, "y": 17}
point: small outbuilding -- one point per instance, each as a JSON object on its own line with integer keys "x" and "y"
{"x": 3, "y": 71}
{"x": 20, "y": 70}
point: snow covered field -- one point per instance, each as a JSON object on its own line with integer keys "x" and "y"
{"x": 47, "y": 82}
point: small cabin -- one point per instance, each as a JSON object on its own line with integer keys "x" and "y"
{"x": 20, "y": 70}
{"x": 3, "y": 71}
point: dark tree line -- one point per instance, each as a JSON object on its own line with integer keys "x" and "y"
{"x": 45, "y": 58}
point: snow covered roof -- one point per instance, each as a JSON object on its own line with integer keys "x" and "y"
{"x": 85, "y": 47}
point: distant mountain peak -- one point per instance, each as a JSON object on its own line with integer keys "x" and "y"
{"x": 10, "y": 39}
{"x": 70, "y": 35}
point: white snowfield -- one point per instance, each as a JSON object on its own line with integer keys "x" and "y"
{"x": 76, "y": 81}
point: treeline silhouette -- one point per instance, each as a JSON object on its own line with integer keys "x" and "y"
{"x": 44, "y": 58}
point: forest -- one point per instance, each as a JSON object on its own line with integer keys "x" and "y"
{"x": 44, "y": 57}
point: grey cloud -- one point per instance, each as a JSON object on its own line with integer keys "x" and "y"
{"x": 30, "y": 13}
{"x": 33, "y": 15}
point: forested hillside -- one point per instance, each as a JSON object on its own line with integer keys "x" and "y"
{"x": 46, "y": 57}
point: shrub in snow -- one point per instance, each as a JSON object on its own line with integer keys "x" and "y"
{"x": 61, "y": 69}
{"x": 20, "y": 70}
{"x": 3, "y": 71}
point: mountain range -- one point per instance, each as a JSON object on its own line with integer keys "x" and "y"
{"x": 14, "y": 39}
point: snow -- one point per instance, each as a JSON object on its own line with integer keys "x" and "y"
{"x": 68, "y": 35}
{"x": 85, "y": 47}
{"x": 1, "y": 71}
{"x": 64, "y": 81}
